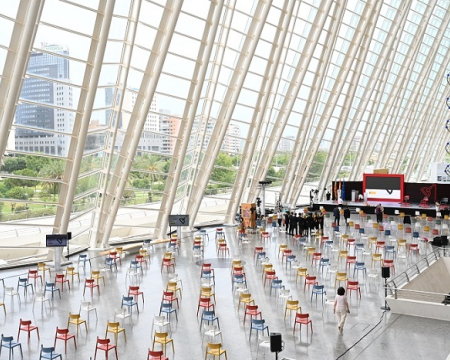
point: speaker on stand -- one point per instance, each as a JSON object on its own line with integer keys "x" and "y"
{"x": 385, "y": 274}
{"x": 276, "y": 343}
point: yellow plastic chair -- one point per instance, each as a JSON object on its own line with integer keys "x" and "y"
{"x": 207, "y": 291}
{"x": 292, "y": 305}
{"x": 301, "y": 272}
{"x": 4, "y": 307}
{"x": 375, "y": 258}
{"x": 173, "y": 286}
{"x": 75, "y": 319}
{"x": 246, "y": 299}
{"x": 42, "y": 267}
{"x": 281, "y": 248}
{"x": 342, "y": 255}
{"x": 215, "y": 350}
{"x": 309, "y": 252}
{"x": 114, "y": 327}
{"x": 163, "y": 339}
{"x": 95, "y": 274}
{"x": 340, "y": 276}
{"x": 401, "y": 243}
{"x": 70, "y": 271}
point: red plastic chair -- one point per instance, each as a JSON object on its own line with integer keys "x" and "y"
{"x": 310, "y": 280}
{"x": 25, "y": 325}
{"x": 204, "y": 302}
{"x": 350, "y": 260}
{"x": 104, "y": 344}
{"x": 142, "y": 260}
{"x": 302, "y": 319}
{"x": 258, "y": 249}
{"x": 353, "y": 285}
{"x": 90, "y": 283}
{"x": 60, "y": 278}
{"x": 253, "y": 311}
{"x": 63, "y": 334}
{"x": 134, "y": 290}
{"x": 168, "y": 296}
{"x": 156, "y": 355}
{"x": 389, "y": 263}
{"x": 270, "y": 275}
{"x": 380, "y": 245}
{"x": 167, "y": 263}
{"x": 115, "y": 256}
{"x": 316, "y": 258}
{"x": 223, "y": 250}
{"x": 33, "y": 274}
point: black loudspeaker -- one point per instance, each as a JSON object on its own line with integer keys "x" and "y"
{"x": 69, "y": 235}
{"x": 385, "y": 272}
{"x": 275, "y": 342}
{"x": 444, "y": 240}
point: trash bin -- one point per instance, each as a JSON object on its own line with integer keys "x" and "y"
{"x": 355, "y": 194}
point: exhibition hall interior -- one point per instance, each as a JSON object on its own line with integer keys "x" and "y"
{"x": 204, "y": 179}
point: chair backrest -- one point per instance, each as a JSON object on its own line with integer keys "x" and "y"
{"x": 301, "y": 317}
{"x": 113, "y": 325}
{"x": 74, "y": 316}
{"x": 23, "y": 281}
{"x": 7, "y": 339}
{"x": 102, "y": 341}
{"x": 258, "y": 322}
{"x": 211, "y": 346}
{"x": 162, "y": 335}
{"x": 89, "y": 282}
{"x": 155, "y": 353}
{"x": 62, "y": 331}
{"x": 127, "y": 298}
{"x": 48, "y": 350}
{"x": 133, "y": 288}
{"x": 70, "y": 269}
{"x": 85, "y": 304}
{"x": 291, "y": 303}
{"x": 352, "y": 283}
{"x": 251, "y": 307}
{"x": 25, "y": 323}
{"x": 59, "y": 276}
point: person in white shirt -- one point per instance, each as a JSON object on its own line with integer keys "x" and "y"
{"x": 341, "y": 308}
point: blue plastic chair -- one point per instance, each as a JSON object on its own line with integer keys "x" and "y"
{"x": 9, "y": 343}
{"x": 360, "y": 266}
{"x": 387, "y": 232}
{"x": 109, "y": 262}
{"x": 129, "y": 302}
{"x": 48, "y": 353}
{"x": 258, "y": 325}
{"x": 209, "y": 316}
{"x": 390, "y": 249}
{"x": 52, "y": 288}
{"x": 135, "y": 265}
{"x": 23, "y": 282}
{"x": 359, "y": 247}
{"x": 238, "y": 279}
{"x": 204, "y": 234}
{"x": 324, "y": 263}
{"x": 277, "y": 285}
{"x": 318, "y": 290}
{"x": 167, "y": 309}
{"x": 208, "y": 274}
{"x": 289, "y": 260}
{"x": 82, "y": 258}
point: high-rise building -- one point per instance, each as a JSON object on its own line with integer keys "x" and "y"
{"x": 37, "y": 90}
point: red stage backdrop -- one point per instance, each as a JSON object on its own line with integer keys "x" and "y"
{"x": 384, "y": 187}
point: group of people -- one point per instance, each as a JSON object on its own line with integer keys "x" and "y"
{"x": 302, "y": 224}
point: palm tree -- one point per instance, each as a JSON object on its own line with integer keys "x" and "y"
{"x": 53, "y": 172}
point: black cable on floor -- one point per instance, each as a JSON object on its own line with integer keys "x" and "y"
{"x": 356, "y": 343}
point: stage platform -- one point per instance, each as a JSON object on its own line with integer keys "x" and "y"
{"x": 389, "y": 207}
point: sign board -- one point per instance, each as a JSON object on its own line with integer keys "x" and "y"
{"x": 178, "y": 220}
{"x": 52, "y": 240}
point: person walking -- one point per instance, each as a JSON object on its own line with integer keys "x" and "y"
{"x": 379, "y": 212}
{"x": 337, "y": 215}
{"x": 341, "y": 308}
{"x": 346, "y": 215}
{"x": 286, "y": 221}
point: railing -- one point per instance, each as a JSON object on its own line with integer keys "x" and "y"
{"x": 393, "y": 286}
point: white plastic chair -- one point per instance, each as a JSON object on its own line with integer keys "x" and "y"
{"x": 39, "y": 297}
{"x": 161, "y": 322}
{"x": 86, "y": 306}
{"x": 10, "y": 291}
{"x": 211, "y": 331}
{"x": 122, "y": 314}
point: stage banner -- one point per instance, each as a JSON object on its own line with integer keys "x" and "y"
{"x": 384, "y": 187}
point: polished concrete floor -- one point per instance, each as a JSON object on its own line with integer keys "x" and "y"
{"x": 384, "y": 335}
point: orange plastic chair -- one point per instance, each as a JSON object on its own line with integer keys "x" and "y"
{"x": 63, "y": 334}
{"x": 104, "y": 344}
{"x": 302, "y": 319}
{"x": 25, "y": 325}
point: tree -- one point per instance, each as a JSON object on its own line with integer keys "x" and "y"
{"x": 19, "y": 193}
{"x": 12, "y": 182}
{"x": 12, "y": 164}
{"x": 53, "y": 172}
{"x": 318, "y": 163}
{"x": 151, "y": 166}
{"x": 222, "y": 171}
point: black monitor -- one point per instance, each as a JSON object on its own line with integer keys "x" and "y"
{"x": 53, "y": 240}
